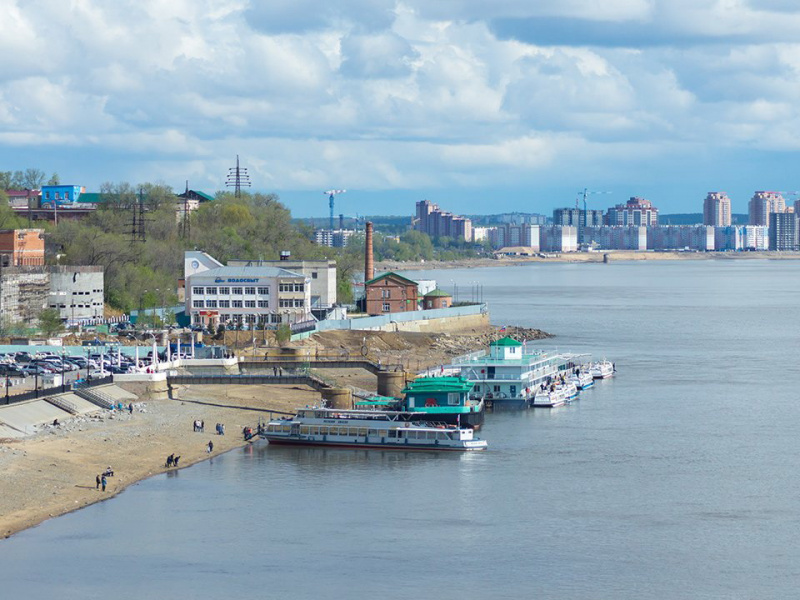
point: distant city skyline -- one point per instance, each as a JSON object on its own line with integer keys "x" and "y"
{"x": 517, "y": 105}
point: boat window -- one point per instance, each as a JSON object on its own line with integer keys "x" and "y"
{"x": 442, "y": 435}
{"x": 453, "y": 398}
{"x": 392, "y": 433}
{"x": 362, "y": 431}
{"x": 286, "y": 428}
{"x": 333, "y": 431}
{"x": 305, "y": 429}
{"x": 353, "y": 431}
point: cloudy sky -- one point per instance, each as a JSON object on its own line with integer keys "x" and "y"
{"x": 480, "y": 106}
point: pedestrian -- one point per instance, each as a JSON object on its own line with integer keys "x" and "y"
{"x": 175, "y": 462}
{"x": 130, "y": 408}
{"x": 202, "y": 426}
{"x": 97, "y": 482}
{"x": 222, "y": 428}
{"x": 103, "y": 482}
{"x": 210, "y": 447}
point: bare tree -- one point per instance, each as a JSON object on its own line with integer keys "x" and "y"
{"x": 33, "y": 179}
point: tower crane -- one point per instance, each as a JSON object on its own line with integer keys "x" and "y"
{"x": 582, "y": 217}
{"x": 331, "y": 194}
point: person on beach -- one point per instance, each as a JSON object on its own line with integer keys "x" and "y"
{"x": 210, "y": 447}
{"x": 130, "y": 408}
{"x": 97, "y": 482}
{"x": 175, "y": 462}
{"x": 103, "y": 482}
{"x": 170, "y": 460}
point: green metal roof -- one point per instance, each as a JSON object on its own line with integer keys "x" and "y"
{"x": 438, "y": 384}
{"x": 506, "y": 341}
{"x": 379, "y": 277}
{"x": 437, "y": 293}
{"x": 89, "y": 198}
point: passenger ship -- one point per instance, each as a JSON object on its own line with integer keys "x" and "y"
{"x": 367, "y": 429}
{"x": 512, "y": 373}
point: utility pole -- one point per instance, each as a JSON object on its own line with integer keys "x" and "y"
{"x": 237, "y": 179}
{"x": 186, "y": 224}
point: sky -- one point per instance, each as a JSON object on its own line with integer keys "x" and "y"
{"x": 482, "y": 107}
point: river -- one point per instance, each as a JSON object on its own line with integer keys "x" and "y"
{"x": 675, "y": 479}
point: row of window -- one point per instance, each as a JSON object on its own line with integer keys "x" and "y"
{"x": 291, "y": 303}
{"x": 76, "y": 305}
{"x": 291, "y": 287}
{"x": 225, "y": 291}
{"x": 86, "y": 293}
{"x": 362, "y": 431}
{"x": 231, "y": 304}
{"x": 251, "y": 319}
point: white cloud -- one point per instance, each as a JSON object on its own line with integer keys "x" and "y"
{"x": 383, "y": 94}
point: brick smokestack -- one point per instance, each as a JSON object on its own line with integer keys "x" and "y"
{"x": 369, "y": 260}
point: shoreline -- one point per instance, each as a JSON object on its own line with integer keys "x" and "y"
{"x": 52, "y": 472}
{"x": 585, "y": 257}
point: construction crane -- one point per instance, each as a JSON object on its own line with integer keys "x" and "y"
{"x": 582, "y": 216}
{"x": 331, "y": 194}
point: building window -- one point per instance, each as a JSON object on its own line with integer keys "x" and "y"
{"x": 224, "y": 291}
{"x": 211, "y": 304}
{"x": 285, "y": 287}
{"x": 250, "y": 291}
{"x": 386, "y": 294}
{"x": 211, "y": 290}
{"x": 299, "y": 303}
{"x": 314, "y": 275}
{"x": 236, "y": 304}
{"x": 386, "y": 307}
{"x": 224, "y": 303}
{"x": 249, "y": 303}
{"x": 263, "y": 304}
{"x": 298, "y": 287}
{"x": 264, "y": 291}
{"x": 237, "y": 291}
{"x": 198, "y": 291}
{"x": 285, "y": 303}
{"x": 197, "y": 304}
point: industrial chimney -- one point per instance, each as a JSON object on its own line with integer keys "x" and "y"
{"x": 369, "y": 262}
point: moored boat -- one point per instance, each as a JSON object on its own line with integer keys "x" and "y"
{"x": 569, "y": 390}
{"x": 582, "y": 379}
{"x": 368, "y": 429}
{"x": 549, "y": 397}
{"x": 602, "y": 370}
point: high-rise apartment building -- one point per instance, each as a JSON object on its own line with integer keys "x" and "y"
{"x": 436, "y": 223}
{"x": 574, "y": 217}
{"x": 635, "y": 212}
{"x": 717, "y": 209}
{"x": 762, "y": 204}
{"x": 783, "y": 231}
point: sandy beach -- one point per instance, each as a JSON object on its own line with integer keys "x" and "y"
{"x": 53, "y": 472}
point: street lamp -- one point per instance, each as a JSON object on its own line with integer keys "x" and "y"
{"x": 63, "y": 359}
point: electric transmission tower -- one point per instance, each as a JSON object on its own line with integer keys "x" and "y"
{"x": 237, "y": 179}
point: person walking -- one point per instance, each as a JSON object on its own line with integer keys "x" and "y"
{"x": 210, "y": 447}
{"x": 103, "y": 482}
{"x": 97, "y": 482}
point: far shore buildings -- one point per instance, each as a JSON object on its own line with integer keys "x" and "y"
{"x": 763, "y": 204}
{"x": 634, "y": 213}
{"x": 432, "y": 220}
{"x": 717, "y": 209}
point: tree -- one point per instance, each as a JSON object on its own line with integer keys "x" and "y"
{"x": 54, "y": 179}
{"x": 33, "y": 179}
{"x": 50, "y": 322}
{"x": 283, "y": 334}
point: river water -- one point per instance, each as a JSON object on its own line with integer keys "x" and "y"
{"x": 676, "y": 479}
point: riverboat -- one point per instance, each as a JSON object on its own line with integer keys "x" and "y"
{"x": 368, "y": 429}
{"x": 445, "y": 400}
{"x": 582, "y": 379}
{"x": 509, "y": 376}
{"x": 550, "y": 397}
{"x": 569, "y": 389}
{"x": 602, "y": 370}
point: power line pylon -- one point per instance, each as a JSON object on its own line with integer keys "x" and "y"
{"x": 237, "y": 179}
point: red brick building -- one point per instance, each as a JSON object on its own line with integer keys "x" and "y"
{"x": 390, "y": 293}
{"x": 21, "y": 247}
{"x": 436, "y": 299}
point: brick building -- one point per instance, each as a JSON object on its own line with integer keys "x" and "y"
{"x": 21, "y": 247}
{"x": 390, "y": 293}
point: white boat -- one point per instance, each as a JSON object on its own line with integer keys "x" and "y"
{"x": 368, "y": 429}
{"x": 569, "y": 389}
{"x": 549, "y": 398}
{"x": 582, "y": 379}
{"x": 602, "y": 370}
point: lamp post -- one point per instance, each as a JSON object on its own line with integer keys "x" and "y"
{"x": 87, "y": 364}
{"x": 63, "y": 384}
{"x": 36, "y": 381}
